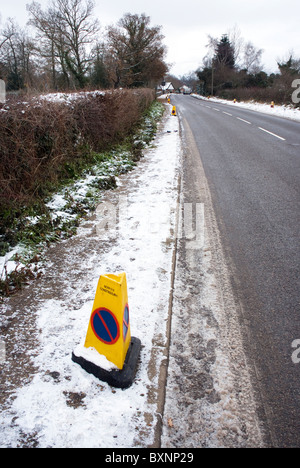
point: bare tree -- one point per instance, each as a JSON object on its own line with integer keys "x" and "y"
{"x": 211, "y": 47}
{"x": 246, "y": 55}
{"x": 48, "y": 40}
{"x": 66, "y": 29}
{"x": 16, "y": 56}
{"x": 252, "y": 58}
{"x": 79, "y": 28}
{"x": 3, "y": 40}
{"x": 237, "y": 43}
{"x": 136, "y": 51}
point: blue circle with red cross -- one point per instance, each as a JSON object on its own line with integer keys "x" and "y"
{"x": 105, "y": 326}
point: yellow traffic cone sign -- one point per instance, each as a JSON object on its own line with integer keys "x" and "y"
{"x": 109, "y": 333}
{"x": 174, "y": 111}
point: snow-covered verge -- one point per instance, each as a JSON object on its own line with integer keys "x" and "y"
{"x": 64, "y": 211}
{"x": 288, "y": 112}
{"x": 36, "y": 228}
{"x": 51, "y": 401}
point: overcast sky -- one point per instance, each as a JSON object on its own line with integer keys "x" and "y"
{"x": 271, "y": 25}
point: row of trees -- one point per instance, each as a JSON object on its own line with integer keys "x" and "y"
{"x": 67, "y": 51}
{"x": 232, "y": 67}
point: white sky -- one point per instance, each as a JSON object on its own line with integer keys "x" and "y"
{"x": 271, "y": 25}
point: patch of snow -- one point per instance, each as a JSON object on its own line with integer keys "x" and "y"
{"x": 142, "y": 245}
{"x": 69, "y": 98}
{"x": 8, "y": 264}
{"x": 92, "y": 355}
{"x": 288, "y": 112}
{"x": 57, "y": 203}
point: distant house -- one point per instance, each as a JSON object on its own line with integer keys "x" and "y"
{"x": 165, "y": 88}
{"x": 185, "y": 90}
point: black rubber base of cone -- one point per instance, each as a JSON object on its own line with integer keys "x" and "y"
{"x": 116, "y": 378}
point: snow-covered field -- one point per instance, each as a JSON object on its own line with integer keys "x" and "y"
{"x": 61, "y": 405}
{"x": 288, "y": 112}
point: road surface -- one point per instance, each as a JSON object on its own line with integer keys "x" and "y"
{"x": 252, "y": 165}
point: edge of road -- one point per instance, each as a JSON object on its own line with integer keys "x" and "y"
{"x": 245, "y": 406}
{"x": 241, "y": 106}
{"x": 163, "y": 371}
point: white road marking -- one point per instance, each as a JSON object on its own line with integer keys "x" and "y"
{"x": 246, "y": 121}
{"x": 273, "y": 134}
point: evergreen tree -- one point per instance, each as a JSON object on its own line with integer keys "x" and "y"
{"x": 224, "y": 56}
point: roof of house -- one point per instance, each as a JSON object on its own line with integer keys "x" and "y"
{"x": 167, "y": 86}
